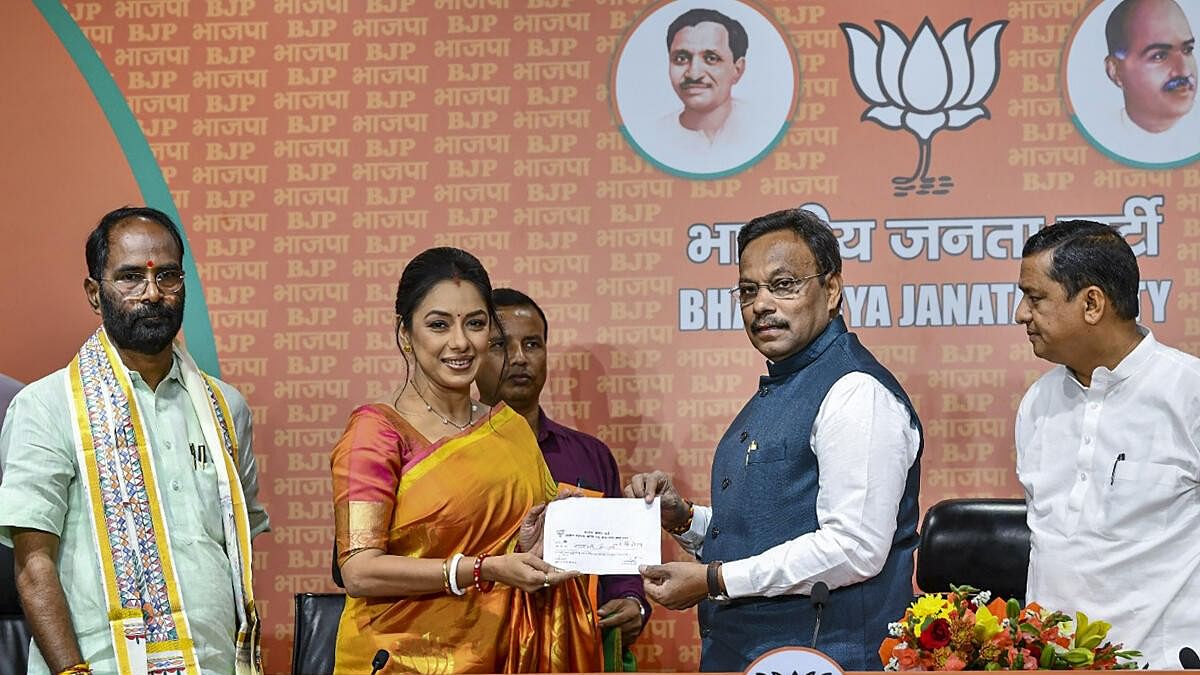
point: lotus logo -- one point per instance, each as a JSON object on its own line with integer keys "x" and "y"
{"x": 924, "y": 85}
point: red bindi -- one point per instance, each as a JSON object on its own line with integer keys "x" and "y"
{"x": 149, "y": 264}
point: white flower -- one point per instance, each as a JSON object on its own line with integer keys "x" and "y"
{"x": 893, "y": 664}
{"x": 927, "y": 84}
{"x": 983, "y": 598}
{"x": 896, "y": 629}
{"x": 930, "y": 83}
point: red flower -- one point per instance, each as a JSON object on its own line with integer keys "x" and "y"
{"x": 936, "y": 634}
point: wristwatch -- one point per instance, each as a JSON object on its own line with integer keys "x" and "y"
{"x": 715, "y": 593}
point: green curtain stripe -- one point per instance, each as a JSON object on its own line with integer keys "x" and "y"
{"x": 144, "y": 165}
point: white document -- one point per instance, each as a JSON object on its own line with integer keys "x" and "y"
{"x": 602, "y": 536}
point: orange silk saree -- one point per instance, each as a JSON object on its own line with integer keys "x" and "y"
{"x": 468, "y": 493}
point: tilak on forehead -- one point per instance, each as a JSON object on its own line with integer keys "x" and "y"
{"x": 149, "y": 264}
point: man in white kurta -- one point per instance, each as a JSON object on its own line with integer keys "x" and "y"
{"x": 1108, "y": 448}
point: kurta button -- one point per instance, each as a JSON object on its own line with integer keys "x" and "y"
{"x": 716, "y": 532}
{"x": 175, "y": 485}
{"x": 705, "y": 631}
{"x": 724, "y": 483}
{"x": 763, "y": 392}
{"x": 744, "y": 436}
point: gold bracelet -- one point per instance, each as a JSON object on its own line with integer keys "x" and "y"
{"x": 687, "y": 524}
{"x": 446, "y": 575}
{"x": 78, "y": 669}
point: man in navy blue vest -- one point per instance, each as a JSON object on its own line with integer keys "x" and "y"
{"x": 815, "y": 481}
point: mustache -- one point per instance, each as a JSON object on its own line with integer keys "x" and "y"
{"x": 687, "y": 81}
{"x": 768, "y": 323}
{"x": 158, "y": 310}
{"x": 1174, "y": 83}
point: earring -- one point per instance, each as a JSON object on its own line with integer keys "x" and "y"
{"x": 406, "y": 348}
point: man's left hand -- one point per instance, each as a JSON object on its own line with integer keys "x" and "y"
{"x": 625, "y": 614}
{"x": 676, "y": 585}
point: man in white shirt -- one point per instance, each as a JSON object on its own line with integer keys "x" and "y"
{"x": 1107, "y": 447}
{"x": 816, "y": 479}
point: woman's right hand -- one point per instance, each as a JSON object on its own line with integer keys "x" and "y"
{"x": 525, "y": 571}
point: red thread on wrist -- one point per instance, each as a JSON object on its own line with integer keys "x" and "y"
{"x": 687, "y": 524}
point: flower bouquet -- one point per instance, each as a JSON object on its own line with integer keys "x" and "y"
{"x": 968, "y": 630}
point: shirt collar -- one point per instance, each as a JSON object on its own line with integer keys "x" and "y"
{"x": 173, "y": 374}
{"x": 1133, "y": 362}
{"x": 546, "y": 426}
{"x": 811, "y": 352}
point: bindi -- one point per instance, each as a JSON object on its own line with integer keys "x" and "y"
{"x": 149, "y": 264}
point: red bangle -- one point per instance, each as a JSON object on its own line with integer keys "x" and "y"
{"x": 477, "y": 573}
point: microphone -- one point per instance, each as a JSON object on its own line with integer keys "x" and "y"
{"x": 380, "y": 660}
{"x": 1188, "y": 659}
{"x": 819, "y": 596}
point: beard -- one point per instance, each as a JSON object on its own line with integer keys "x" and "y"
{"x": 145, "y": 329}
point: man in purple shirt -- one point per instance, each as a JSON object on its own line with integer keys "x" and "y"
{"x": 574, "y": 457}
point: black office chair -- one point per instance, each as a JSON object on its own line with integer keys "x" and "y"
{"x": 14, "y": 632}
{"x": 978, "y": 542}
{"x": 316, "y": 626}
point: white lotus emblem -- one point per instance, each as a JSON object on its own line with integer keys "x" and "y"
{"x": 925, "y": 85}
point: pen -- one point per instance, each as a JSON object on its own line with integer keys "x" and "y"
{"x": 1113, "y": 478}
{"x": 751, "y": 448}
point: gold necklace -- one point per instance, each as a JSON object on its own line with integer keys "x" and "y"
{"x": 443, "y": 418}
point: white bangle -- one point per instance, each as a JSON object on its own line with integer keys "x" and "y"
{"x": 454, "y": 575}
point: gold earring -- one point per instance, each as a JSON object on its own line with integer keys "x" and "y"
{"x": 406, "y": 348}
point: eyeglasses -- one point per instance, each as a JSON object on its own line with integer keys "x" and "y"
{"x": 135, "y": 283}
{"x": 784, "y": 288}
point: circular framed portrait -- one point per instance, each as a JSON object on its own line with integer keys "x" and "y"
{"x": 704, "y": 89}
{"x": 1130, "y": 81}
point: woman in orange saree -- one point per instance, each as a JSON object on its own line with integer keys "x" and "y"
{"x": 437, "y": 532}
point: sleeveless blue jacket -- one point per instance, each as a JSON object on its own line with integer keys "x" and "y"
{"x": 768, "y": 496}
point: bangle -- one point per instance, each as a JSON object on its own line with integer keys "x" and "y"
{"x": 446, "y": 575}
{"x": 78, "y": 669}
{"x": 454, "y": 575}
{"x": 687, "y": 524}
{"x": 641, "y": 607}
{"x": 477, "y": 575}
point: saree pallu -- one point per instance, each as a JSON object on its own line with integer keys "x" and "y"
{"x": 469, "y": 494}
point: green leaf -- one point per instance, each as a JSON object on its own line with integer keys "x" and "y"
{"x": 1013, "y": 609}
{"x": 964, "y": 591}
{"x": 992, "y": 665}
{"x": 1078, "y": 656}
{"x": 1047, "y": 659}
